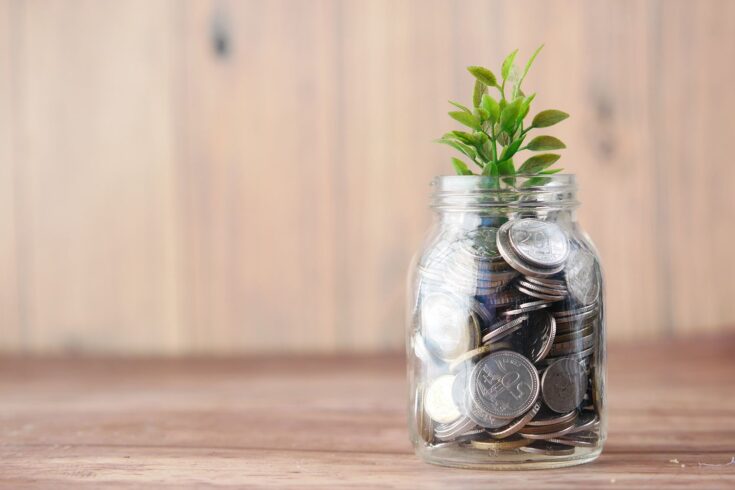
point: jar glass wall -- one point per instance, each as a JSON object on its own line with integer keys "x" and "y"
{"x": 506, "y": 328}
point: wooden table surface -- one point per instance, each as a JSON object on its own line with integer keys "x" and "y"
{"x": 336, "y": 422}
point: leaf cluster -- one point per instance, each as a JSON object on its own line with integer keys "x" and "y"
{"x": 496, "y": 130}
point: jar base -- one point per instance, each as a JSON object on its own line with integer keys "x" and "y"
{"x": 479, "y": 460}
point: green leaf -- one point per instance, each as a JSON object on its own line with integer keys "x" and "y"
{"x": 503, "y": 139}
{"x": 542, "y": 143}
{"x": 526, "y": 105}
{"x": 491, "y": 106}
{"x": 483, "y": 114}
{"x": 460, "y": 106}
{"x": 511, "y": 149}
{"x": 528, "y": 66}
{"x": 462, "y": 136}
{"x": 506, "y": 167}
{"x": 548, "y": 118}
{"x": 490, "y": 170}
{"x": 536, "y": 182}
{"x": 463, "y": 148}
{"x": 508, "y": 64}
{"x": 537, "y": 163}
{"x": 551, "y": 171}
{"x": 509, "y": 116}
{"x": 460, "y": 167}
{"x": 468, "y": 120}
{"x": 480, "y": 89}
{"x": 483, "y": 74}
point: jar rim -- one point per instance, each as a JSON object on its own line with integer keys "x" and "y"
{"x": 485, "y": 183}
{"x": 468, "y": 192}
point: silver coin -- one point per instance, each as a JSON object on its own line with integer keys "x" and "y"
{"x": 574, "y": 334}
{"x": 439, "y": 403}
{"x": 446, "y": 432}
{"x": 548, "y": 432}
{"x": 505, "y": 384}
{"x": 585, "y": 422}
{"x": 563, "y": 385}
{"x": 576, "y": 318}
{"x": 573, "y": 440}
{"x": 503, "y": 328}
{"x": 481, "y": 243}
{"x": 516, "y": 262}
{"x": 542, "y": 331}
{"x": 548, "y": 448}
{"x": 571, "y": 346}
{"x": 547, "y": 282}
{"x": 581, "y": 276}
{"x": 542, "y": 289}
{"x": 482, "y": 417}
{"x": 547, "y": 417}
{"x": 517, "y": 424}
{"x": 527, "y": 307}
{"x": 536, "y": 294}
{"x": 541, "y": 243}
{"x": 449, "y": 329}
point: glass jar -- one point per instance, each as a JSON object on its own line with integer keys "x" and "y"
{"x": 506, "y": 330}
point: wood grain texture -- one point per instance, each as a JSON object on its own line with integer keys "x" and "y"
{"x": 269, "y": 422}
{"x": 222, "y": 176}
{"x": 11, "y": 332}
{"x": 95, "y": 142}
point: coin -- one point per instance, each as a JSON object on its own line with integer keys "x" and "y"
{"x": 481, "y": 243}
{"x": 575, "y": 334}
{"x": 586, "y": 421}
{"x": 547, "y": 282}
{"x": 548, "y": 448}
{"x": 516, "y": 262}
{"x": 440, "y": 405}
{"x": 503, "y": 328}
{"x": 542, "y": 289}
{"x": 480, "y": 351}
{"x": 546, "y": 432}
{"x": 446, "y": 432}
{"x": 578, "y": 439}
{"x": 574, "y": 312}
{"x": 547, "y": 417}
{"x": 581, "y": 276}
{"x": 517, "y": 424}
{"x": 482, "y": 417}
{"x": 541, "y": 243}
{"x": 449, "y": 328}
{"x": 504, "y": 444}
{"x": 527, "y": 307}
{"x": 571, "y": 346}
{"x": 505, "y": 384}
{"x": 542, "y": 331}
{"x": 536, "y": 294}
{"x": 563, "y": 385}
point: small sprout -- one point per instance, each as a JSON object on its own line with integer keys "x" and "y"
{"x": 497, "y": 129}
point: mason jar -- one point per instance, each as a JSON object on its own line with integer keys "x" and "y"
{"x": 506, "y": 331}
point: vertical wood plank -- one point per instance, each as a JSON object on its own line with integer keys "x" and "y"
{"x": 96, "y": 153}
{"x": 10, "y": 324}
{"x": 692, "y": 135}
{"x": 259, "y": 175}
{"x": 394, "y": 64}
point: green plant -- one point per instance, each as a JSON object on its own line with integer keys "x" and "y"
{"x": 497, "y": 126}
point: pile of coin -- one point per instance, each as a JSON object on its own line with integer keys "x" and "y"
{"x": 508, "y": 327}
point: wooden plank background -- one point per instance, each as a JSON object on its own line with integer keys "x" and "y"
{"x": 239, "y": 176}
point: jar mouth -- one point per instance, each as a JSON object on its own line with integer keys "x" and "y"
{"x": 473, "y": 192}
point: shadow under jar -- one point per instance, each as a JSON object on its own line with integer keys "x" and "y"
{"x": 506, "y": 330}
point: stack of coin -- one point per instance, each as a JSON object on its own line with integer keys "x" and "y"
{"x": 510, "y": 319}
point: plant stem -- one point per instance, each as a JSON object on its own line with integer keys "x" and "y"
{"x": 495, "y": 148}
